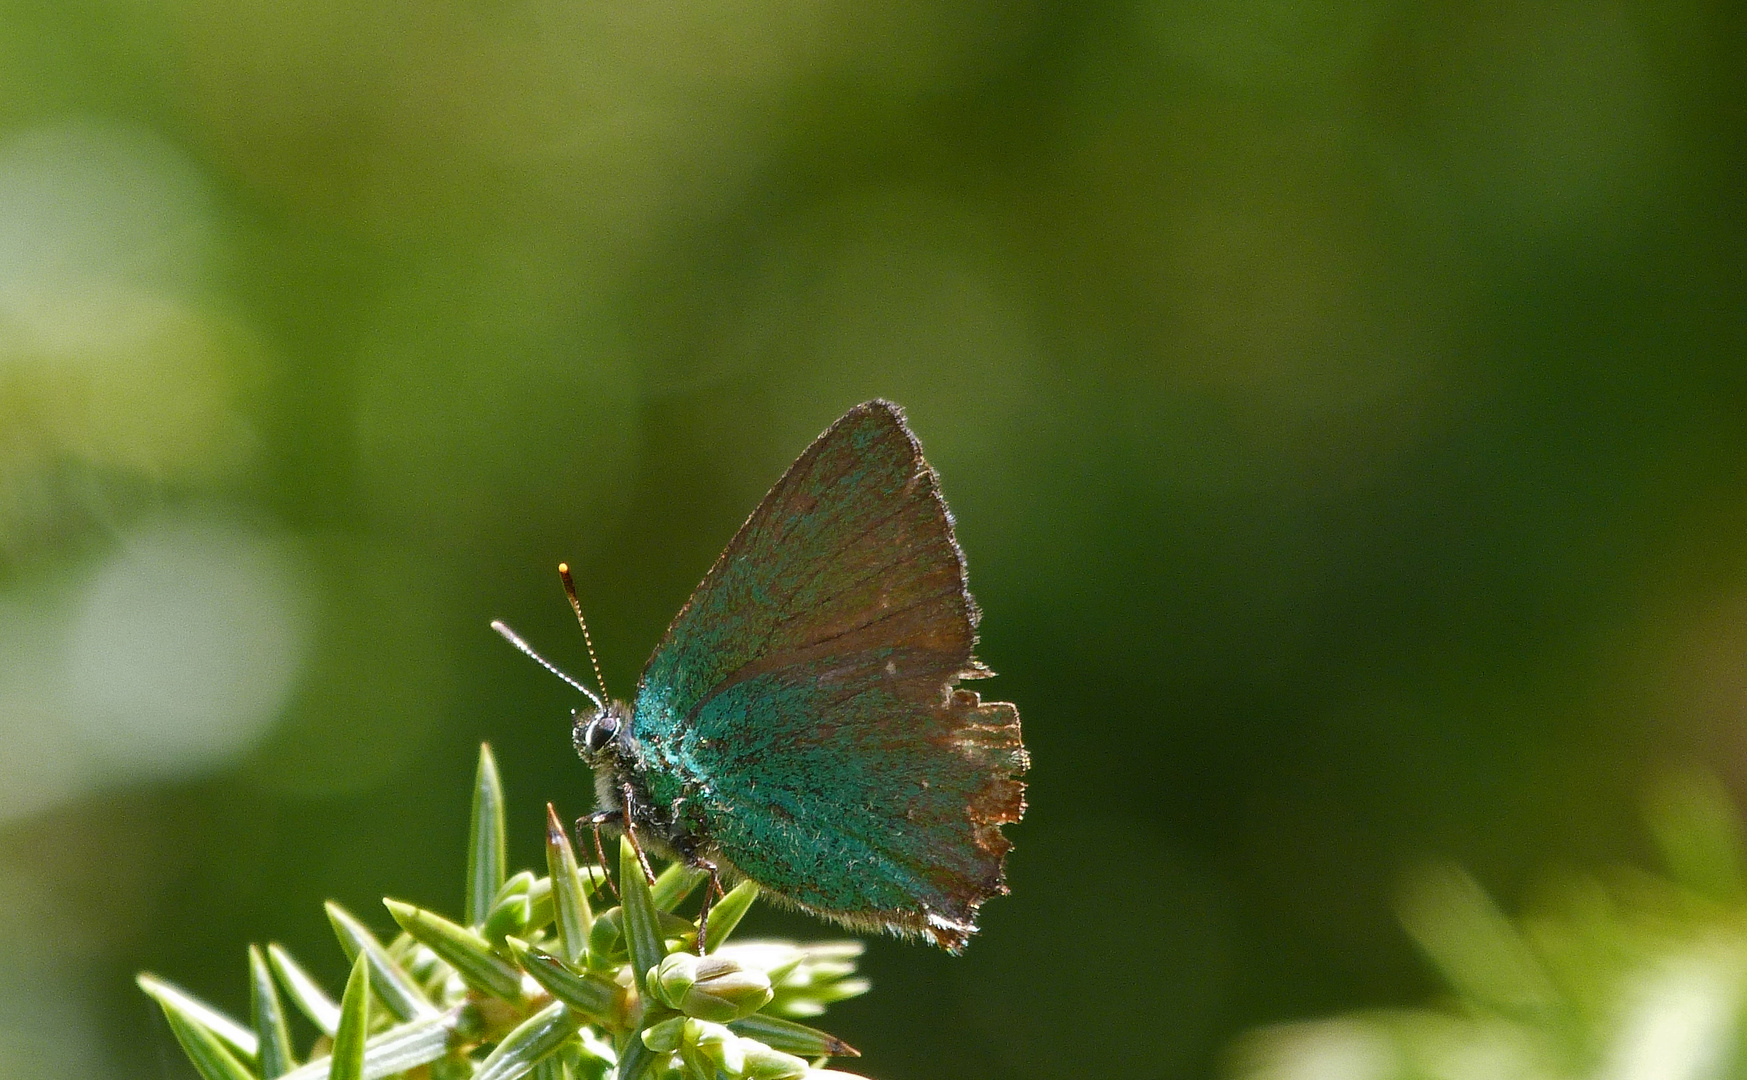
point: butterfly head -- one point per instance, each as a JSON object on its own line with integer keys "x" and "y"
{"x": 599, "y": 733}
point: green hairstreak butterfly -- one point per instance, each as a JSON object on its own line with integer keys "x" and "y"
{"x": 802, "y": 724}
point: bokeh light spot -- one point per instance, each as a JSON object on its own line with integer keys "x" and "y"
{"x": 184, "y": 647}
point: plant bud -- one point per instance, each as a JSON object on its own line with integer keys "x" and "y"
{"x": 668, "y": 1067}
{"x": 508, "y": 918}
{"x": 515, "y": 884}
{"x": 717, "y": 1045}
{"x": 606, "y": 940}
{"x": 710, "y": 988}
{"x": 663, "y": 1038}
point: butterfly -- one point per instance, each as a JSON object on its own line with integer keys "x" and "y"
{"x": 801, "y": 724}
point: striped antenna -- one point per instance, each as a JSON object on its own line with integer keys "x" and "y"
{"x": 528, "y": 650}
{"x": 576, "y": 606}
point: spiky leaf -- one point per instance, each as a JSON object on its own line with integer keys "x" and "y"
{"x": 306, "y": 993}
{"x": 212, "y": 1057}
{"x": 792, "y": 1038}
{"x": 468, "y": 953}
{"x": 346, "y": 1062}
{"x": 642, "y": 918}
{"x": 570, "y": 907}
{"x": 240, "y": 1039}
{"x": 486, "y": 845}
{"x": 400, "y": 1048}
{"x": 398, "y": 990}
{"x": 530, "y": 1043}
{"x": 674, "y": 884}
{"x": 274, "y": 1056}
{"x": 601, "y": 1000}
{"x": 728, "y": 912}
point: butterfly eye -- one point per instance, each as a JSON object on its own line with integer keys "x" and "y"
{"x": 599, "y": 733}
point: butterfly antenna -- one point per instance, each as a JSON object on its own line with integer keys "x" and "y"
{"x": 576, "y": 606}
{"x": 528, "y": 650}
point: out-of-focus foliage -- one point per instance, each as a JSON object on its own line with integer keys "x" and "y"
{"x": 1626, "y": 977}
{"x": 1340, "y": 402}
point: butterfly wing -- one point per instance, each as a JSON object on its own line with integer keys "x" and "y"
{"x": 804, "y": 701}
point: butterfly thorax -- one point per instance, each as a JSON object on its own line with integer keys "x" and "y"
{"x": 604, "y": 742}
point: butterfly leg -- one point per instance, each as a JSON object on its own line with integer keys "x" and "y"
{"x": 594, "y": 821}
{"x": 631, "y": 834}
{"x": 712, "y": 893}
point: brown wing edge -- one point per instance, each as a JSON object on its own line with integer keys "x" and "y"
{"x": 973, "y": 668}
{"x": 987, "y": 733}
{"x": 895, "y": 413}
{"x": 989, "y": 736}
{"x": 812, "y": 451}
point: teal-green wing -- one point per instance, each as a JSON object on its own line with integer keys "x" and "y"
{"x": 804, "y": 701}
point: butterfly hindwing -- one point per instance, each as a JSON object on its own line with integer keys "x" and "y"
{"x": 803, "y": 702}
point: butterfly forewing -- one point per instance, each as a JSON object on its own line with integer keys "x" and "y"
{"x": 803, "y": 706}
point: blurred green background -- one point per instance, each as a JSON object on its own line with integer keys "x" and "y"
{"x": 1342, "y": 403}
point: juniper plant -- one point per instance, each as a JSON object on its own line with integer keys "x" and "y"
{"x": 535, "y": 980}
